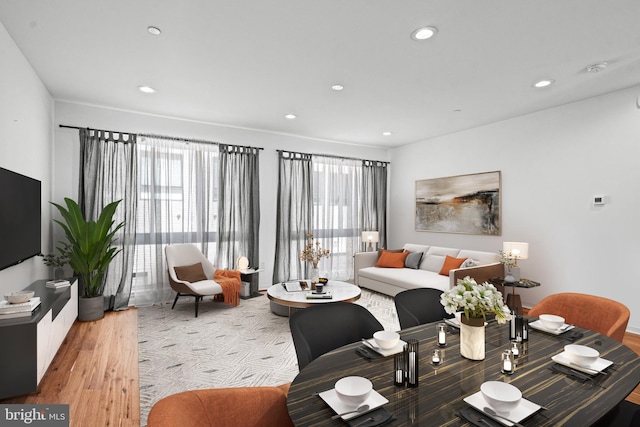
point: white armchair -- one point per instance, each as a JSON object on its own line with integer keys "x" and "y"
{"x": 186, "y": 276}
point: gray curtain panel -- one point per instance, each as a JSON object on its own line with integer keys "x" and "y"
{"x": 238, "y": 206}
{"x": 374, "y": 199}
{"x": 294, "y": 214}
{"x": 108, "y": 173}
{"x": 178, "y": 198}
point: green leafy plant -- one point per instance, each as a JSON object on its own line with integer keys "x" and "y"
{"x": 90, "y": 244}
{"x": 59, "y": 259}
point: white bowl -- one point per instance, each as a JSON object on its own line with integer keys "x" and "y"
{"x": 353, "y": 390}
{"x": 551, "y": 321}
{"x": 386, "y": 339}
{"x": 19, "y": 297}
{"x": 501, "y": 396}
{"x": 581, "y": 354}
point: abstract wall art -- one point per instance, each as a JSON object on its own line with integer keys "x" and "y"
{"x": 468, "y": 204}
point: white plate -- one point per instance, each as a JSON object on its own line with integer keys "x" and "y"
{"x": 539, "y": 326}
{"x": 524, "y": 409}
{"x": 599, "y": 365}
{"x": 375, "y": 400}
{"x": 386, "y": 352}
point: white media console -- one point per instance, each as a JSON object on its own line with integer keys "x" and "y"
{"x": 30, "y": 343}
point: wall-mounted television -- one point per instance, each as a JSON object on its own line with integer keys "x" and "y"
{"x": 20, "y": 218}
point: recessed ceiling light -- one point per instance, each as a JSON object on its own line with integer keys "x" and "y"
{"x": 154, "y": 30}
{"x": 146, "y": 89}
{"x": 290, "y": 116}
{"x": 424, "y": 33}
{"x": 387, "y": 133}
{"x": 543, "y": 83}
{"x": 337, "y": 87}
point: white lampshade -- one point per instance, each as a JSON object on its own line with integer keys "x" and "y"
{"x": 516, "y": 249}
{"x": 370, "y": 236}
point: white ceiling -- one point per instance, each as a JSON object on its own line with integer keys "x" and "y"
{"x": 247, "y": 63}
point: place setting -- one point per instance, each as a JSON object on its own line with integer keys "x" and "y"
{"x": 355, "y": 401}
{"x": 384, "y": 344}
{"x": 580, "y": 362}
{"x": 498, "y": 404}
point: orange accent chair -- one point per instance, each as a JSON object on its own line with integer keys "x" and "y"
{"x": 223, "y": 407}
{"x": 599, "y": 314}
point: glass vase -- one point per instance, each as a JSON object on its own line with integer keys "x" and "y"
{"x": 314, "y": 275}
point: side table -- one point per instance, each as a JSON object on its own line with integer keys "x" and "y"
{"x": 513, "y": 299}
{"x": 252, "y": 276}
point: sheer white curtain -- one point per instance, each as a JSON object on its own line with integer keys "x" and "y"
{"x": 177, "y": 203}
{"x": 337, "y": 204}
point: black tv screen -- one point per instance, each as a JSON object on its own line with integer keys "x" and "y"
{"x": 20, "y": 222}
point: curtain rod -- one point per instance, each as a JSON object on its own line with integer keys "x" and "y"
{"x": 334, "y": 157}
{"x": 173, "y": 138}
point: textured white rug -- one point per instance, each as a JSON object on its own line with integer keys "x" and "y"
{"x": 224, "y": 346}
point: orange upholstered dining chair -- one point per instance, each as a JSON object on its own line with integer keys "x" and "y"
{"x": 599, "y": 314}
{"x": 223, "y": 407}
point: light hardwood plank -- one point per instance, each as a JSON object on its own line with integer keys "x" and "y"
{"x": 96, "y": 372}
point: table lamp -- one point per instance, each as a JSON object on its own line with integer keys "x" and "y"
{"x": 370, "y": 237}
{"x": 514, "y": 251}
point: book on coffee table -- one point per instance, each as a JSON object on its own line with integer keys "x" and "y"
{"x": 324, "y": 295}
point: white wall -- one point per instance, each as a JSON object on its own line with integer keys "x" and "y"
{"x": 67, "y": 149}
{"x": 26, "y": 117}
{"x": 553, "y": 162}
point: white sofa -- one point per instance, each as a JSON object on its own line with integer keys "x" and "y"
{"x": 481, "y": 266}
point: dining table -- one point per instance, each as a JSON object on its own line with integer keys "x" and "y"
{"x": 567, "y": 397}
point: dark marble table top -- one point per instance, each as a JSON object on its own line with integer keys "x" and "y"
{"x": 438, "y": 399}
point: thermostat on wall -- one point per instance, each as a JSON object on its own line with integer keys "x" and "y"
{"x": 598, "y": 200}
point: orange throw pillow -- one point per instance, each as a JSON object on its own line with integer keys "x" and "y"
{"x": 389, "y": 259}
{"x": 451, "y": 263}
{"x": 190, "y": 273}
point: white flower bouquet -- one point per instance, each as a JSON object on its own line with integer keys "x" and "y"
{"x": 475, "y": 300}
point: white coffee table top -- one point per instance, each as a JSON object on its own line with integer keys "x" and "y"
{"x": 340, "y": 291}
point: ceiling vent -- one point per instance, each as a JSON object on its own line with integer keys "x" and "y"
{"x": 596, "y": 68}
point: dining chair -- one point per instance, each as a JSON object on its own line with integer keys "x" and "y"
{"x": 599, "y": 314}
{"x": 318, "y": 329}
{"x": 190, "y": 273}
{"x": 223, "y": 407}
{"x": 419, "y": 306}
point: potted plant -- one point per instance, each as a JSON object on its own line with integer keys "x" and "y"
{"x": 91, "y": 251}
{"x": 58, "y": 260}
{"x": 511, "y": 269}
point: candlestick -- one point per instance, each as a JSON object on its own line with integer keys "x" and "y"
{"x": 507, "y": 362}
{"x": 412, "y": 363}
{"x": 442, "y": 334}
{"x": 435, "y": 357}
{"x": 398, "y": 369}
{"x": 515, "y": 349}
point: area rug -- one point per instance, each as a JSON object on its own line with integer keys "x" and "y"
{"x": 224, "y": 346}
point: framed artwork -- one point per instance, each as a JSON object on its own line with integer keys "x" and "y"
{"x": 468, "y": 204}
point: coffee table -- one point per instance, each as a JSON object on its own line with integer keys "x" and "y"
{"x": 283, "y": 302}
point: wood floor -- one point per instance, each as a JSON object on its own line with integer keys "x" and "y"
{"x": 96, "y": 373}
